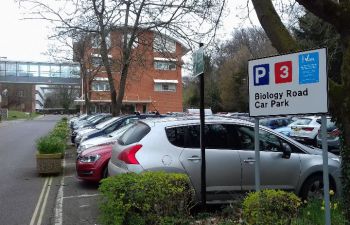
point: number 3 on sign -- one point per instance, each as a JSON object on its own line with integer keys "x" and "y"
{"x": 283, "y": 72}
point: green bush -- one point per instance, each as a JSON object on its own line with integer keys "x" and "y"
{"x": 61, "y": 132}
{"x": 148, "y": 198}
{"x": 50, "y": 144}
{"x": 270, "y": 207}
{"x": 55, "y": 142}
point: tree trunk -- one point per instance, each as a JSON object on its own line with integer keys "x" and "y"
{"x": 107, "y": 65}
{"x": 340, "y": 108}
{"x": 122, "y": 85}
{"x": 273, "y": 26}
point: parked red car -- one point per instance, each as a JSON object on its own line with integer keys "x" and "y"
{"x": 92, "y": 164}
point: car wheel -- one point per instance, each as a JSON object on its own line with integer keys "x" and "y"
{"x": 105, "y": 172}
{"x": 313, "y": 188}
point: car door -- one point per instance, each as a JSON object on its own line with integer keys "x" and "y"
{"x": 223, "y": 165}
{"x": 275, "y": 171}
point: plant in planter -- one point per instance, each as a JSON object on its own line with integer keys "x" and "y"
{"x": 50, "y": 150}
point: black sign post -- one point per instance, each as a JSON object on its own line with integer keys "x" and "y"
{"x": 198, "y": 70}
{"x": 202, "y": 137}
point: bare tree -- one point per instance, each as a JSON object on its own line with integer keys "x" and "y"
{"x": 337, "y": 14}
{"x": 189, "y": 21}
{"x": 88, "y": 69}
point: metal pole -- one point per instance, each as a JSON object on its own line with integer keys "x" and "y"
{"x": 257, "y": 155}
{"x": 202, "y": 138}
{"x": 325, "y": 170}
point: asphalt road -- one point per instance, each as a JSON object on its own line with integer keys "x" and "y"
{"x": 20, "y": 185}
{"x": 29, "y": 199}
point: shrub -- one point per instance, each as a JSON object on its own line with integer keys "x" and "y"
{"x": 55, "y": 142}
{"x": 61, "y": 132}
{"x": 148, "y": 198}
{"x": 270, "y": 207}
{"x": 50, "y": 144}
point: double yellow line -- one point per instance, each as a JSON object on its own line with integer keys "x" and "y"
{"x": 41, "y": 204}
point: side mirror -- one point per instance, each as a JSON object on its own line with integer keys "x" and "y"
{"x": 287, "y": 151}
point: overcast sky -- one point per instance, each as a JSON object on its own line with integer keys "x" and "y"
{"x": 27, "y": 39}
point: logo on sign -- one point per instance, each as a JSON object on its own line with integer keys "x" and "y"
{"x": 283, "y": 72}
{"x": 309, "y": 68}
{"x": 261, "y": 74}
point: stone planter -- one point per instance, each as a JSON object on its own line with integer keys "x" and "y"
{"x": 49, "y": 163}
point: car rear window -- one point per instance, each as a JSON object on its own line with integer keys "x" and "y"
{"x": 302, "y": 121}
{"x": 134, "y": 134}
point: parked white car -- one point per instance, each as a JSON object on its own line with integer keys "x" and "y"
{"x": 82, "y": 133}
{"x": 305, "y": 129}
{"x": 102, "y": 140}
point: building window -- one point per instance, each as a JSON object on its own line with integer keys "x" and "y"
{"x": 20, "y": 93}
{"x": 165, "y": 87}
{"x": 100, "y": 86}
{"x": 163, "y": 44}
{"x": 162, "y": 65}
{"x": 96, "y": 41}
{"x": 96, "y": 61}
{"x": 128, "y": 36}
{"x": 11, "y": 69}
{"x": 2, "y": 68}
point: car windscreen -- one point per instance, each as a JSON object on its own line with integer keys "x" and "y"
{"x": 106, "y": 123}
{"x": 134, "y": 134}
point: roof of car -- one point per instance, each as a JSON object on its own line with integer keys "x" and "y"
{"x": 172, "y": 121}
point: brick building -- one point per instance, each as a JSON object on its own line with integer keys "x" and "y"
{"x": 19, "y": 97}
{"x": 154, "y": 80}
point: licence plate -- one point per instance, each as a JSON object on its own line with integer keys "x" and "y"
{"x": 296, "y": 128}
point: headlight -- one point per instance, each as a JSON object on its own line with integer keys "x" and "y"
{"x": 89, "y": 158}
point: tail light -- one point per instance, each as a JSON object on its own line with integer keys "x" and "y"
{"x": 334, "y": 133}
{"x": 128, "y": 155}
{"x": 307, "y": 128}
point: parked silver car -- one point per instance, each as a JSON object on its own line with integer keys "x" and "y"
{"x": 172, "y": 145}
